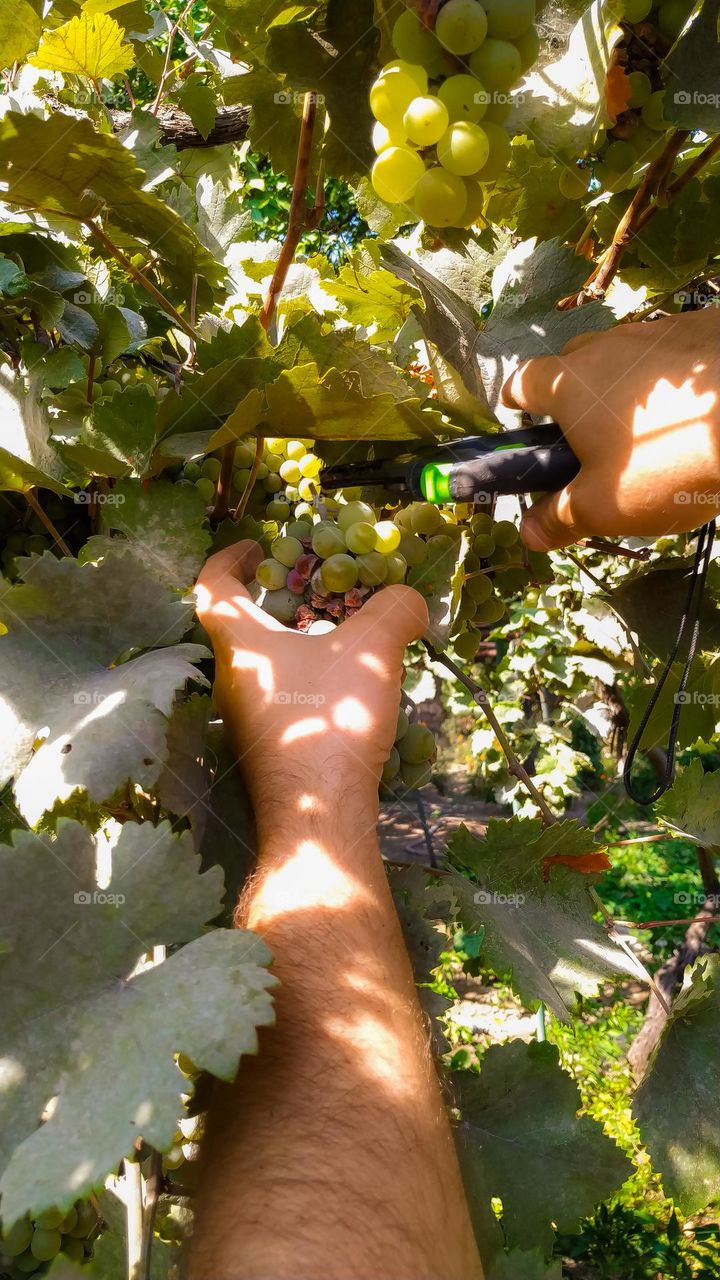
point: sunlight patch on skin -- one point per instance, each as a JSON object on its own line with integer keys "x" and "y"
{"x": 243, "y": 660}
{"x": 307, "y": 728}
{"x": 351, "y": 714}
{"x": 309, "y": 877}
{"x": 373, "y": 663}
{"x": 308, "y": 802}
{"x": 380, "y": 1050}
{"x": 668, "y": 405}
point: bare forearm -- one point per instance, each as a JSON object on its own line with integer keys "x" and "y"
{"x": 331, "y": 1158}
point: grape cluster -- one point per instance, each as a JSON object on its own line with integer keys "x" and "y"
{"x": 441, "y": 105}
{"x": 29, "y": 535}
{"x": 495, "y": 561}
{"x": 34, "y": 1241}
{"x": 411, "y": 756}
{"x": 284, "y": 477}
{"x": 621, "y": 153}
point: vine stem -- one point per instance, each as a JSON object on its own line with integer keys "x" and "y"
{"x": 135, "y": 1217}
{"x": 637, "y": 212}
{"x": 168, "y": 54}
{"x": 481, "y": 698}
{"x": 153, "y": 1187}
{"x": 242, "y": 504}
{"x": 41, "y": 515}
{"x": 706, "y": 155}
{"x": 142, "y": 280}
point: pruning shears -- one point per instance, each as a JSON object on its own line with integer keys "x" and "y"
{"x": 474, "y": 469}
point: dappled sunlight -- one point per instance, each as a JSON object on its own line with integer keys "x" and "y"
{"x": 309, "y": 727}
{"x": 12, "y": 1073}
{"x": 242, "y": 660}
{"x": 351, "y": 714}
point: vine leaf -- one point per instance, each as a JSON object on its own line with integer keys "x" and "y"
{"x": 540, "y": 933}
{"x": 520, "y": 1139}
{"x": 89, "y": 45}
{"x": 67, "y": 629}
{"x": 674, "y": 1105}
{"x": 198, "y": 99}
{"x": 81, "y": 1029}
{"x": 118, "y": 436}
{"x": 522, "y": 1264}
{"x": 693, "y": 73}
{"x": 163, "y": 527}
{"x": 27, "y": 459}
{"x": 692, "y": 805}
{"x": 20, "y": 30}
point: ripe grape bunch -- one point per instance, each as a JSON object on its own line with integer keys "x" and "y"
{"x": 31, "y": 1242}
{"x": 441, "y": 105}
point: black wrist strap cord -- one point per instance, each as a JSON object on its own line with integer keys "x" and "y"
{"x": 690, "y": 619}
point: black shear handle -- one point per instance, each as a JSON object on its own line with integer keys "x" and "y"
{"x": 518, "y": 470}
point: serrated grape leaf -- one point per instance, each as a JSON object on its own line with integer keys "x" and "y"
{"x": 118, "y": 436}
{"x": 20, "y": 30}
{"x": 108, "y": 729}
{"x": 76, "y": 1024}
{"x": 27, "y": 459}
{"x": 691, "y": 807}
{"x": 184, "y": 782}
{"x": 163, "y": 527}
{"x": 520, "y": 1139}
{"x": 63, "y": 165}
{"x": 275, "y": 114}
{"x": 78, "y": 325}
{"x": 67, "y": 625}
{"x": 524, "y": 1264}
{"x": 674, "y": 1106}
{"x": 540, "y": 932}
{"x": 88, "y": 45}
{"x": 693, "y": 73}
{"x": 527, "y": 198}
{"x": 637, "y": 597}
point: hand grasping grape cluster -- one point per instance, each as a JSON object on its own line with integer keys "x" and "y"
{"x": 441, "y": 105}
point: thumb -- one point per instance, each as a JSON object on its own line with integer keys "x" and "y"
{"x": 393, "y": 616}
{"x": 549, "y": 523}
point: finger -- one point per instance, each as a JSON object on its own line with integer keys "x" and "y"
{"x": 581, "y": 340}
{"x": 533, "y": 385}
{"x": 398, "y": 614}
{"x": 220, "y": 591}
{"x": 549, "y": 523}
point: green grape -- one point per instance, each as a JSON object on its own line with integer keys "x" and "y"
{"x": 387, "y": 537}
{"x": 49, "y": 1220}
{"x": 620, "y": 156}
{"x": 505, "y": 533}
{"x": 87, "y": 1218}
{"x": 281, "y": 605}
{"x": 402, "y": 724}
{"x": 274, "y": 444}
{"x": 339, "y": 572}
{"x": 327, "y": 539}
{"x": 307, "y": 488}
{"x": 672, "y": 16}
{"x": 36, "y": 545}
{"x": 205, "y": 488}
{"x": 515, "y": 579}
{"x": 391, "y": 768}
{"x": 425, "y": 120}
{"x": 629, "y": 10}
{"x": 262, "y": 471}
{"x": 501, "y": 556}
{"x": 299, "y": 529}
{"x": 482, "y": 522}
{"x": 286, "y": 551}
{"x": 310, "y": 465}
{"x": 425, "y": 519}
{"x": 15, "y": 542}
{"x": 509, "y": 18}
{"x": 463, "y": 97}
{"x": 69, "y": 1221}
{"x": 45, "y": 1243}
{"x": 461, "y": 26}
{"x": 243, "y": 456}
{"x": 372, "y": 569}
{"x": 414, "y": 42}
{"x": 383, "y": 138}
{"x": 483, "y": 545}
{"x": 191, "y": 471}
{"x": 491, "y": 610}
{"x": 479, "y": 588}
{"x": 412, "y": 69}
{"x": 496, "y": 112}
{"x": 416, "y": 775}
{"x": 73, "y": 1249}
{"x": 463, "y": 148}
{"x": 396, "y": 173}
{"x": 211, "y": 469}
{"x": 611, "y": 181}
{"x": 271, "y": 484}
{"x": 466, "y": 645}
{"x": 391, "y": 95}
{"x": 353, "y": 512}
{"x": 440, "y": 198}
{"x": 412, "y": 549}
{"x": 241, "y": 479}
{"x": 475, "y": 203}
{"x": 639, "y": 88}
{"x": 499, "y": 157}
{"x": 465, "y": 610}
{"x": 27, "y": 1262}
{"x": 271, "y": 574}
{"x": 173, "y": 1158}
{"x": 652, "y": 112}
{"x": 573, "y": 184}
{"x": 439, "y": 546}
{"x": 304, "y": 511}
{"x": 417, "y": 744}
{"x": 278, "y": 510}
{"x": 647, "y": 143}
{"x": 360, "y": 537}
{"x": 528, "y": 46}
{"x": 17, "y": 1239}
{"x": 396, "y": 568}
{"x": 290, "y": 471}
{"x": 496, "y": 64}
